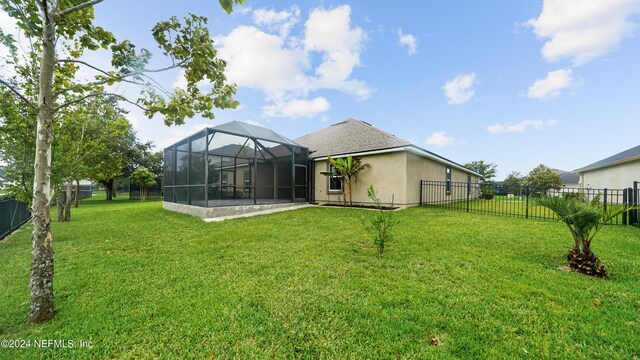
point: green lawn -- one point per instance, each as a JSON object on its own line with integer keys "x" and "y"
{"x": 140, "y": 282}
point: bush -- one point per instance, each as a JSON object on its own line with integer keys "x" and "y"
{"x": 380, "y": 224}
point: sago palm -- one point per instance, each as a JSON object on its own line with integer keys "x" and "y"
{"x": 584, "y": 220}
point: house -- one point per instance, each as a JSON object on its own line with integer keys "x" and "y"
{"x": 396, "y": 165}
{"x": 570, "y": 179}
{"x": 614, "y": 172}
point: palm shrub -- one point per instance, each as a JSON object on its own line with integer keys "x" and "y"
{"x": 348, "y": 169}
{"x": 584, "y": 220}
{"x": 380, "y": 224}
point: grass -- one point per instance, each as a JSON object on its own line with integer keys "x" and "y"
{"x": 140, "y": 282}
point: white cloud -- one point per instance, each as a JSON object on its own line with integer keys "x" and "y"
{"x": 521, "y": 126}
{"x": 460, "y": 89}
{"x": 281, "y": 21}
{"x": 297, "y": 108}
{"x": 553, "y": 84}
{"x": 440, "y": 139}
{"x": 273, "y": 59}
{"x": 242, "y": 10}
{"x": 258, "y": 60}
{"x": 409, "y": 41}
{"x": 330, "y": 33}
{"x": 582, "y": 30}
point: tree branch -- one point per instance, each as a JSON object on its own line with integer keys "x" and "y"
{"x": 77, "y": 7}
{"x": 122, "y": 98}
{"x": 17, "y": 93}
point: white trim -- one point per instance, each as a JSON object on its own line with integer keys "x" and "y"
{"x": 603, "y": 166}
{"x": 413, "y": 149}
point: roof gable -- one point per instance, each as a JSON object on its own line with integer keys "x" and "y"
{"x": 348, "y": 136}
{"x": 619, "y": 158}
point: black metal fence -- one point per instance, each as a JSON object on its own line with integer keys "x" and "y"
{"x": 12, "y": 215}
{"x": 518, "y": 201}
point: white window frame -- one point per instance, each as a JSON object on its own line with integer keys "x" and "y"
{"x": 329, "y": 189}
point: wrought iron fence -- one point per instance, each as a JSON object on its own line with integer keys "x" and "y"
{"x": 518, "y": 201}
{"x": 12, "y": 215}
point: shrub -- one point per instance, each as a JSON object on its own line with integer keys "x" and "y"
{"x": 380, "y": 224}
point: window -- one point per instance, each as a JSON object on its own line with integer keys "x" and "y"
{"x": 448, "y": 178}
{"x": 335, "y": 182}
{"x": 247, "y": 180}
{"x": 225, "y": 178}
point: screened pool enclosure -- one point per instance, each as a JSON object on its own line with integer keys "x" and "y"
{"x": 235, "y": 164}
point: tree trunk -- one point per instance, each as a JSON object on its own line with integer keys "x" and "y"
{"x": 41, "y": 281}
{"x": 76, "y": 201}
{"x": 60, "y": 210}
{"x": 68, "y": 200}
{"x": 110, "y": 190}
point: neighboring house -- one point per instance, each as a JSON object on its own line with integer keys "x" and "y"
{"x": 397, "y": 166}
{"x": 615, "y": 172}
{"x": 570, "y": 179}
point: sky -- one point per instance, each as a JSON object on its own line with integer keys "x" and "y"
{"x": 514, "y": 83}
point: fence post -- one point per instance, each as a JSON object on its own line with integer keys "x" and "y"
{"x": 604, "y": 201}
{"x": 421, "y": 192}
{"x": 526, "y": 206}
{"x": 468, "y": 192}
{"x": 624, "y": 202}
{"x": 634, "y": 216}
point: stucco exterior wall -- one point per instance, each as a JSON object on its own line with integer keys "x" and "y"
{"x": 421, "y": 168}
{"x": 613, "y": 177}
{"x": 387, "y": 174}
{"x": 396, "y": 174}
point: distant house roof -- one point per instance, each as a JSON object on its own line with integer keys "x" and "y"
{"x": 619, "y": 158}
{"x": 356, "y": 137}
{"x": 567, "y": 177}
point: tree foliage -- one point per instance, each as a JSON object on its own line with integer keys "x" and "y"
{"x": 543, "y": 177}
{"x": 487, "y": 172}
{"x": 144, "y": 178}
{"x": 513, "y": 182}
{"x": 59, "y": 33}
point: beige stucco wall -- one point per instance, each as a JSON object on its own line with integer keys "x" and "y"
{"x": 421, "y": 168}
{"x": 387, "y": 174}
{"x": 613, "y": 177}
{"x": 396, "y": 174}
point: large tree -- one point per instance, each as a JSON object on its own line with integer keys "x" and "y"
{"x": 513, "y": 182}
{"x": 543, "y": 178}
{"x": 52, "y": 26}
{"x": 487, "y": 172}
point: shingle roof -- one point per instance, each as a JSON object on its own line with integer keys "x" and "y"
{"x": 619, "y": 158}
{"x": 348, "y": 136}
{"x": 355, "y": 136}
